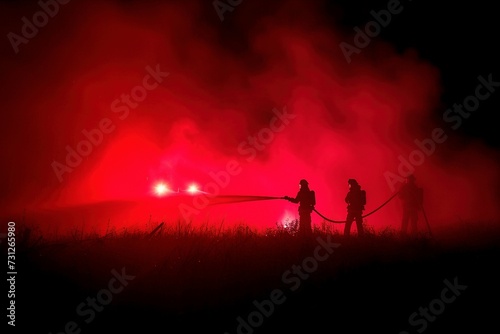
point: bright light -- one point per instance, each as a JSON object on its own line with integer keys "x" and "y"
{"x": 161, "y": 189}
{"x": 288, "y": 219}
{"x": 193, "y": 189}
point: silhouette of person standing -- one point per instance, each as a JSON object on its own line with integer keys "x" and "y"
{"x": 307, "y": 200}
{"x": 411, "y": 196}
{"x": 356, "y": 200}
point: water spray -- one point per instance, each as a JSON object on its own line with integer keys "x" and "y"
{"x": 241, "y": 198}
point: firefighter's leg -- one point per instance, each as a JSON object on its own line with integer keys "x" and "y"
{"x": 359, "y": 223}
{"x": 308, "y": 227}
{"x": 404, "y": 222}
{"x": 305, "y": 232}
{"x": 347, "y": 227}
{"x": 413, "y": 222}
{"x": 305, "y": 223}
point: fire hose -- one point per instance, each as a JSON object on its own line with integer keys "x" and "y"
{"x": 370, "y": 213}
{"x": 242, "y": 198}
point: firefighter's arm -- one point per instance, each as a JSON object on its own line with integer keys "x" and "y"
{"x": 293, "y": 200}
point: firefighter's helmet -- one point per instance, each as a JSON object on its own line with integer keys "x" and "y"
{"x": 352, "y": 182}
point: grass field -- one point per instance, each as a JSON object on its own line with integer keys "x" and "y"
{"x": 215, "y": 280}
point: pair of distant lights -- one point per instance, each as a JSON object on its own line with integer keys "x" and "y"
{"x": 162, "y": 189}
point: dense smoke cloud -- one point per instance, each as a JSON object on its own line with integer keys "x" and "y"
{"x": 207, "y": 89}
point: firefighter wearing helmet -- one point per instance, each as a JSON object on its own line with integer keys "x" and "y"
{"x": 356, "y": 201}
{"x": 411, "y": 197}
{"x": 307, "y": 200}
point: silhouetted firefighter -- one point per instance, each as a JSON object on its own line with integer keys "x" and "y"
{"x": 307, "y": 200}
{"x": 412, "y": 199}
{"x": 356, "y": 200}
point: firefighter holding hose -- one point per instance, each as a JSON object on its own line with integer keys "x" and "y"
{"x": 307, "y": 200}
{"x": 356, "y": 201}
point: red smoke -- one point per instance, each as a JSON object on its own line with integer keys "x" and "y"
{"x": 203, "y": 119}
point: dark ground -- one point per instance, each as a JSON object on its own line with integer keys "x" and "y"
{"x": 188, "y": 282}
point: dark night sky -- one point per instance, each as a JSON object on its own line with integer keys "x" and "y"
{"x": 460, "y": 38}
